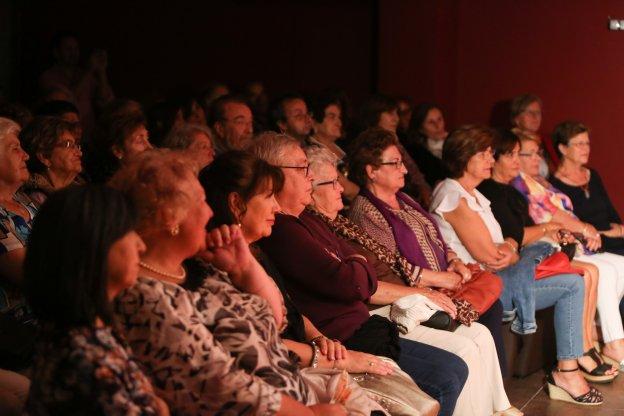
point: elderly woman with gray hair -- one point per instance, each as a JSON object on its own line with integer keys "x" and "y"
{"x": 471, "y": 342}
{"x": 195, "y": 140}
{"x": 330, "y": 282}
{"x": 16, "y": 215}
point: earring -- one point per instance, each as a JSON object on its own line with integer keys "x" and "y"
{"x": 175, "y": 230}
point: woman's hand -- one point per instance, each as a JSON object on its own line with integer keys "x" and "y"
{"x": 332, "y": 349}
{"x": 506, "y": 257}
{"x": 227, "y": 250}
{"x": 461, "y": 269}
{"x": 445, "y": 280}
{"x": 616, "y": 231}
{"x": 361, "y": 362}
{"x": 594, "y": 242}
{"x": 441, "y": 300}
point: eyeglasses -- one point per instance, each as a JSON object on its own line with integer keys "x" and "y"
{"x": 580, "y": 144}
{"x": 396, "y": 163}
{"x": 305, "y": 169}
{"x": 539, "y": 153}
{"x": 302, "y": 116}
{"x": 68, "y": 144}
{"x": 334, "y": 183}
{"x": 239, "y": 122}
{"x": 533, "y": 113}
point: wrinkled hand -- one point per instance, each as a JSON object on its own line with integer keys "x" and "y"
{"x": 461, "y": 269}
{"x": 441, "y": 300}
{"x": 360, "y": 362}
{"x": 506, "y": 257}
{"x": 328, "y": 410}
{"x": 447, "y": 280}
{"x": 227, "y": 250}
{"x": 614, "y": 232}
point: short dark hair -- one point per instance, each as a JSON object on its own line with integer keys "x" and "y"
{"x": 278, "y": 112}
{"x": 66, "y": 270}
{"x": 366, "y": 150}
{"x": 464, "y": 143}
{"x": 565, "y": 131}
{"x": 217, "y": 108}
{"x": 319, "y": 104}
{"x": 56, "y": 108}
{"x": 110, "y": 131}
{"x": 504, "y": 142}
{"x": 520, "y": 103}
{"x": 371, "y": 109}
{"x": 40, "y": 136}
{"x": 240, "y": 172}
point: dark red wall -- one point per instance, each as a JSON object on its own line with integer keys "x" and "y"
{"x": 156, "y": 46}
{"x": 469, "y": 55}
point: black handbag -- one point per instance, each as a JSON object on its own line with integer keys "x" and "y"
{"x": 441, "y": 320}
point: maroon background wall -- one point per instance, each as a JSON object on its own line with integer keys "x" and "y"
{"x": 156, "y": 46}
{"x": 469, "y": 55}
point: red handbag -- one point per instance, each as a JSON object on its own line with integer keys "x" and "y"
{"x": 482, "y": 290}
{"x": 557, "y": 263}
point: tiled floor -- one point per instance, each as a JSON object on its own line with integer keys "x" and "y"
{"x": 529, "y": 395}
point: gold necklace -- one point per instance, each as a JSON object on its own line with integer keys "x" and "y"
{"x": 176, "y": 277}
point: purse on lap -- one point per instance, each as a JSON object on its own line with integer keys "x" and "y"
{"x": 481, "y": 291}
{"x": 557, "y": 263}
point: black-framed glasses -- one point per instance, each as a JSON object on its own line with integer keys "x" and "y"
{"x": 334, "y": 183}
{"x": 396, "y": 163}
{"x": 305, "y": 169}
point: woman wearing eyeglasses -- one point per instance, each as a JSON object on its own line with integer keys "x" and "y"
{"x": 549, "y": 204}
{"x": 584, "y": 186}
{"x": 54, "y": 156}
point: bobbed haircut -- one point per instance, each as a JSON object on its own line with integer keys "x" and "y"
{"x": 367, "y": 150}
{"x": 240, "y": 172}
{"x": 504, "y": 142}
{"x": 66, "y": 270}
{"x": 565, "y": 131}
{"x": 464, "y": 143}
{"x": 40, "y": 136}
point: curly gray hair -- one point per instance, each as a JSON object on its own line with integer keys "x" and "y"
{"x": 182, "y": 137}
{"x": 8, "y": 126}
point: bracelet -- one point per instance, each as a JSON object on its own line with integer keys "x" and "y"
{"x": 418, "y": 276}
{"x": 515, "y": 250}
{"x": 453, "y": 259}
{"x": 315, "y": 340}
{"x": 315, "y": 356}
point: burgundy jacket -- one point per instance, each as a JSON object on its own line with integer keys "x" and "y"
{"x": 326, "y": 285}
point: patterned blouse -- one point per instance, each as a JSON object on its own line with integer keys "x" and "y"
{"x": 15, "y": 229}
{"x": 87, "y": 371}
{"x": 544, "y": 199}
{"x": 213, "y": 350}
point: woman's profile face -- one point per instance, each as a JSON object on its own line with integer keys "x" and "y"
{"x": 480, "y": 165}
{"x": 577, "y": 149}
{"x": 13, "y": 160}
{"x": 201, "y": 150}
{"x": 123, "y": 262}
{"x": 508, "y": 164}
{"x": 259, "y": 216}
{"x": 433, "y": 127}
{"x": 530, "y": 157}
{"x": 136, "y": 143}
{"x": 192, "y": 235}
{"x": 389, "y": 120}
{"x": 530, "y": 119}
{"x": 327, "y": 191}
{"x": 390, "y": 175}
{"x": 65, "y": 158}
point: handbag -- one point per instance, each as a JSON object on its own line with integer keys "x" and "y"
{"x": 482, "y": 290}
{"x": 555, "y": 264}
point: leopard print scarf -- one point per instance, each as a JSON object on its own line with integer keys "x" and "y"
{"x": 345, "y": 228}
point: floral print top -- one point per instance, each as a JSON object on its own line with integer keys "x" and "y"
{"x": 15, "y": 229}
{"x": 87, "y": 371}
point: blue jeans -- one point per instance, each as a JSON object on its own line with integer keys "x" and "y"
{"x": 438, "y": 373}
{"x": 518, "y": 297}
{"x": 567, "y": 293}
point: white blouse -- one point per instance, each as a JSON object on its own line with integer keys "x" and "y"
{"x": 445, "y": 198}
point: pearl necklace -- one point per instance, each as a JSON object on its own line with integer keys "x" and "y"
{"x": 176, "y": 277}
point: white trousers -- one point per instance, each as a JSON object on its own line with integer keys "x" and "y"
{"x": 610, "y": 292}
{"x": 484, "y": 392}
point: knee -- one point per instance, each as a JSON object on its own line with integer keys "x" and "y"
{"x": 459, "y": 369}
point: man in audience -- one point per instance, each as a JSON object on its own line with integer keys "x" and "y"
{"x": 291, "y": 116}
{"x": 231, "y": 121}
{"x": 88, "y": 86}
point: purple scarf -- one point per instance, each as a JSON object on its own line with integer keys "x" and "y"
{"x": 404, "y": 236}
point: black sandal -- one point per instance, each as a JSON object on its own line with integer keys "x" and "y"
{"x": 592, "y": 398}
{"x": 598, "y": 374}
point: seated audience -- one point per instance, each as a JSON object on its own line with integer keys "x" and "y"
{"x": 83, "y": 251}
{"x": 511, "y": 211}
{"x": 584, "y": 186}
{"x": 469, "y": 227}
{"x": 256, "y": 96}
{"x": 192, "y": 111}
{"x": 231, "y": 121}
{"x": 118, "y": 139}
{"x": 54, "y": 157}
{"x": 195, "y": 140}
{"x": 327, "y": 127}
{"x": 472, "y": 342}
{"x": 291, "y": 116}
{"x": 425, "y": 140}
{"x": 65, "y": 110}
{"x": 162, "y": 118}
{"x": 210, "y": 340}
{"x": 526, "y": 118}
{"x": 382, "y": 111}
{"x": 546, "y": 204}
{"x": 405, "y": 111}
{"x": 330, "y": 282}
{"x": 211, "y": 93}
